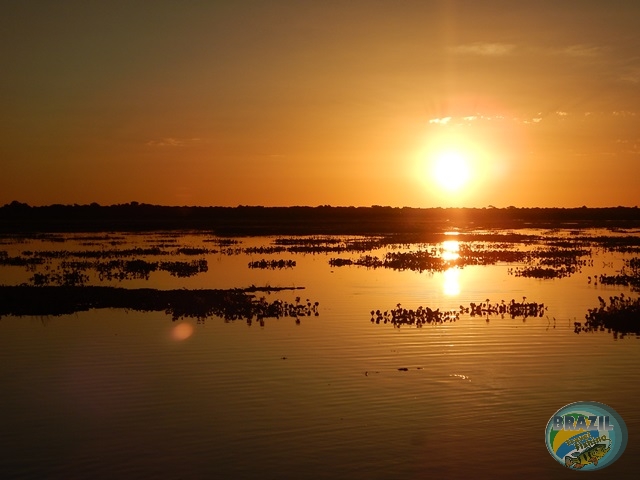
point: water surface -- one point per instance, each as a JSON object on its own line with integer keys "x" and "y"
{"x": 113, "y": 393}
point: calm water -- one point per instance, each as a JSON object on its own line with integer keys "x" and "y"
{"x": 126, "y": 394}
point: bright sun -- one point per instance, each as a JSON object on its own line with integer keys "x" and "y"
{"x": 451, "y": 170}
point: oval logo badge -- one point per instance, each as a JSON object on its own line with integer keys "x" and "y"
{"x": 586, "y": 436}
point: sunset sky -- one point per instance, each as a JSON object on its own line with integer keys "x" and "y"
{"x": 533, "y": 103}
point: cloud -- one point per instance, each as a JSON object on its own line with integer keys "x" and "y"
{"x": 631, "y": 75}
{"x": 484, "y": 49}
{"x": 539, "y": 117}
{"x": 440, "y": 121}
{"x": 580, "y": 51}
{"x": 469, "y": 119}
{"x": 172, "y": 142}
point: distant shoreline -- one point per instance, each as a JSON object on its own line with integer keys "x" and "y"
{"x": 255, "y": 220}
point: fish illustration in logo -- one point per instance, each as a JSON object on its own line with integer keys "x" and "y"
{"x": 590, "y": 455}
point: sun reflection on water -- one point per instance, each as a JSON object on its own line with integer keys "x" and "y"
{"x": 450, "y": 250}
{"x": 451, "y": 284}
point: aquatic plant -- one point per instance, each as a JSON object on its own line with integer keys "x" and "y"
{"x": 422, "y": 315}
{"x": 232, "y": 304}
{"x": 272, "y": 264}
{"x": 68, "y": 278}
{"x": 420, "y": 261}
{"x": 222, "y": 242}
{"x": 106, "y": 253}
{"x": 192, "y": 251}
{"x": 184, "y": 269}
{"x": 340, "y": 262}
{"x": 620, "y": 316}
{"x": 19, "y": 261}
{"x": 426, "y": 315}
{"x": 540, "y": 272}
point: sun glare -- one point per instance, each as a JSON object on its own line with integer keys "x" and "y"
{"x": 451, "y": 170}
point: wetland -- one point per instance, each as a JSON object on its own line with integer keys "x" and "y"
{"x": 310, "y": 351}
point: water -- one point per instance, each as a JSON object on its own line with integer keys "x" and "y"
{"x": 112, "y": 393}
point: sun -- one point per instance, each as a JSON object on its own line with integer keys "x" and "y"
{"x": 451, "y": 170}
{"x": 456, "y": 168}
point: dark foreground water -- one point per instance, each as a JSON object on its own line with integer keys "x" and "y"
{"x": 113, "y": 393}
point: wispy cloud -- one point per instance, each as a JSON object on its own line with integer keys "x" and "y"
{"x": 539, "y": 117}
{"x": 631, "y": 75}
{"x": 580, "y": 51}
{"x": 624, "y": 113}
{"x": 440, "y": 121}
{"x": 484, "y": 49}
{"x": 467, "y": 119}
{"x": 172, "y": 142}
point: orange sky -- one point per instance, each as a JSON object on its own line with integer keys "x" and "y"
{"x": 310, "y": 103}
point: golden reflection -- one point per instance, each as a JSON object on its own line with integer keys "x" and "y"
{"x": 450, "y": 250}
{"x": 451, "y": 285}
{"x": 182, "y": 331}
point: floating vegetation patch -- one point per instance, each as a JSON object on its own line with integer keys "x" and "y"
{"x": 73, "y": 272}
{"x": 400, "y": 316}
{"x": 560, "y": 256}
{"x": 317, "y": 245}
{"x": 622, "y": 244}
{"x": 96, "y": 238}
{"x": 67, "y": 278}
{"x": 184, "y": 269}
{"x": 629, "y": 276}
{"x": 162, "y": 241}
{"x": 272, "y": 264}
{"x": 112, "y": 253}
{"x": 624, "y": 280}
{"x": 266, "y": 250}
{"x": 422, "y": 315}
{"x": 19, "y": 261}
{"x": 541, "y": 272}
{"x": 553, "y": 263}
{"x": 368, "y": 261}
{"x": 309, "y": 241}
{"x": 633, "y": 264}
{"x": 227, "y": 246}
{"x": 621, "y": 316}
{"x": 48, "y": 237}
{"x": 193, "y": 251}
{"x": 222, "y": 242}
{"x": 232, "y": 304}
{"x": 490, "y": 255}
{"x": 130, "y": 252}
{"x": 513, "y": 309}
{"x": 542, "y": 263}
{"x": 125, "y": 269}
{"x": 420, "y": 261}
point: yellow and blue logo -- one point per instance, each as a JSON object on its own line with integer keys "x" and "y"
{"x": 586, "y": 436}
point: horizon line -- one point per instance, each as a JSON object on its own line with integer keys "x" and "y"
{"x": 18, "y": 204}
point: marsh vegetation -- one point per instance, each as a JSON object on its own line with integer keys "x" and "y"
{"x": 543, "y": 255}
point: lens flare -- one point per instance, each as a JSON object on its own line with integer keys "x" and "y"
{"x": 182, "y": 331}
